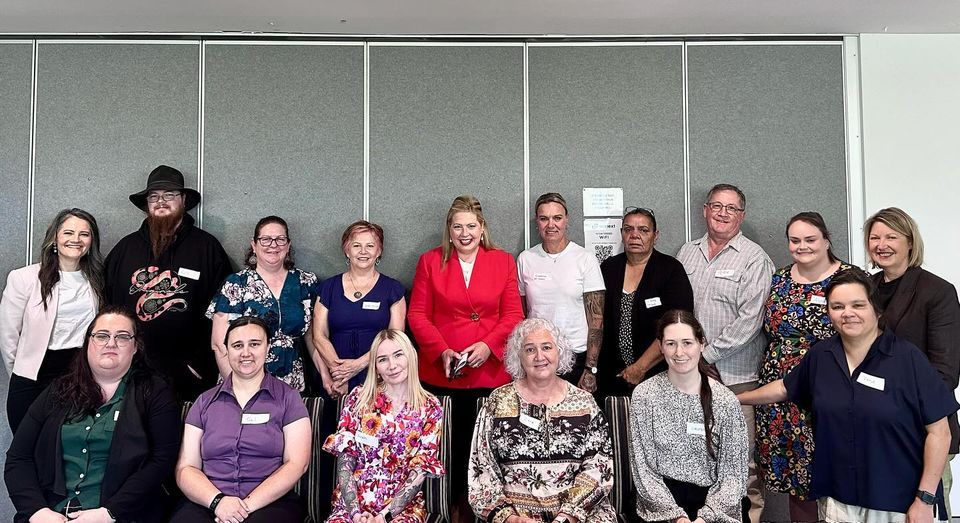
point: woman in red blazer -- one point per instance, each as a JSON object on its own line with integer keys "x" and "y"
{"x": 464, "y": 303}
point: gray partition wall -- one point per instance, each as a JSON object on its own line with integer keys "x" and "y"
{"x": 283, "y": 134}
{"x": 609, "y": 116}
{"x": 16, "y": 70}
{"x": 107, "y": 114}
{"x": 769, "y": 118}
{"x": 444, "y": 121}
{"x": 16, "y": 66}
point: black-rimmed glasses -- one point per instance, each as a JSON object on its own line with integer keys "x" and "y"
{"x": 166, "y": 196}
{"x": 267, "y": 241}
{"x": 102, "y": 338}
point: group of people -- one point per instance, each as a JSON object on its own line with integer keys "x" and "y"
{"x": 851, "y": 375}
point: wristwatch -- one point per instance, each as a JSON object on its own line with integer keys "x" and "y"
{"x": 387, "y": 515}
{"x": 593, "y": 370}
{"x": 926, "y": 497}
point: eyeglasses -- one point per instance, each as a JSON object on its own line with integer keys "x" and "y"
{"x": 167, "y": 196}
{"x": 102, "y": 338}
{"x": 717, "y": 207}
{"x": 266, "y": 241}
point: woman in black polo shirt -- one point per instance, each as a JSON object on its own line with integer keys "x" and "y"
{"x": 880, "y": 414}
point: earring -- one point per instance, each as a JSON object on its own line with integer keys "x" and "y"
{"x": 481, "y": 236}
{"x": 348, "y": 261}
{"x": 378, "y": 260}
{"x": 54, "y": 249}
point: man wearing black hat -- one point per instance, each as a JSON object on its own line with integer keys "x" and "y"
{"x": 166, "y": 272}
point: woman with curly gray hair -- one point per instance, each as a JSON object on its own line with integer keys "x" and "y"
{"x": 541, "y": 448}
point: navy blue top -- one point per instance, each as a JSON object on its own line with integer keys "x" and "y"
{"x": 869, "y": 442}
{"x": 354, "y": 324}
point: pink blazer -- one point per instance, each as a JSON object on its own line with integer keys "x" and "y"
{"x": 25, "y": 327}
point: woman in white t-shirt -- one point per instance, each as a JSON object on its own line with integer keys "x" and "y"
{"x": 561, "y": 281}
{"x": 46, "y": 308}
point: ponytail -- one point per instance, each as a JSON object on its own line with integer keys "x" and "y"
{"x": 706, "y": 402}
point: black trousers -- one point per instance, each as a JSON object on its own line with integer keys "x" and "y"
{"x": 463, "y": 404}
{"x": 691, "y": 498}
{"x": 23, "y": 391}
{"x": 284, "y": 510}
{"x": 579, "y": 364}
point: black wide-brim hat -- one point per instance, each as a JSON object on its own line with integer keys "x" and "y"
{"x": 165, "y": 178}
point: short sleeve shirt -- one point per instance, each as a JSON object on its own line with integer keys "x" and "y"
{"x": 241, "y": 447}
{"x": 869, "y": 426}
{"x": 553, "y": 285}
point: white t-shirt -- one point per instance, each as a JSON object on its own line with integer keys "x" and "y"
{"x": 553, "y": 285}
{"x": 75, "y": 310}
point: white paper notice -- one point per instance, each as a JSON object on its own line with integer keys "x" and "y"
{"x": 602, "y": 237}
{"x": 605, "y": 201}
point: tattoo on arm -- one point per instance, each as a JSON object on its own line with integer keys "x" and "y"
{"x": 407, "y": 492}
{"x": 593, "y": 307}
{"x": 348, "y": 485}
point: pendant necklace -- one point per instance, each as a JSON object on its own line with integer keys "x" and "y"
{"x": 356, "y": 291}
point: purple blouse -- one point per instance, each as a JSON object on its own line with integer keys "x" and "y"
{"x": 241, "y": 447}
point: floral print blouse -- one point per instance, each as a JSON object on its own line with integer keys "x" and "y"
{"x": 388, "y": 444}
{"x": 246, "y": 294}
{"x": 538, "y": 461}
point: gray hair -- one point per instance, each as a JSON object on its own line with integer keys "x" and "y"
{"x": 511, "y": 357}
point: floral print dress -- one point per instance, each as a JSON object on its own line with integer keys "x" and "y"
{"x": 538, "y": 461}
{"x": 246, "y": 294}
{"x": 795, "y": 317}
{"x": 387, "y": 444}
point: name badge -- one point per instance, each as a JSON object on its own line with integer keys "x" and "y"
{"x": 188, "y": 273}
{"x": 530, "y": 421}
{"x": 818, "y": 300}
{"x": 254, "y": 419}
{"x": 116, "y": 415}
{"x": 871, "y": 381}
{"x": 371, "y": 305}
{"x": 542, "y": 276}
{"x": 696, "y": 429}
{"x": 725, "y": 273}
{"x": 366, "y": 439}
{"x": 652, "y": 302}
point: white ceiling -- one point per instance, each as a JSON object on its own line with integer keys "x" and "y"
{"x": 481, "y": 17}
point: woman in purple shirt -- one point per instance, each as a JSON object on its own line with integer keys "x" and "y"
{"x": 246, "y": 442}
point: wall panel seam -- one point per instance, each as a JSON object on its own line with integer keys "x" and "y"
{"x": 366, "y": 131}
{"x": 526, "y": 146}
{"x": 32, "y": 163}
{"x": 201, "y": 124}
{"x": 687, "y": 216}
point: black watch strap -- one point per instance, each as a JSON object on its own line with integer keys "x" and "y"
{"x": 387, "y": 516}
{"x": 216, "y": 501}
{"x": 927, "y": 497}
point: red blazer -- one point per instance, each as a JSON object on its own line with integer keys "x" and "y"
{"x": 442, "y": 308}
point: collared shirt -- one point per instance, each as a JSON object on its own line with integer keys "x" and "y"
{"x": 241, "y": 447}
{"x": 729, "y": 292}
{"x": 869, "y": 425}
{"x": 85, "y": 444}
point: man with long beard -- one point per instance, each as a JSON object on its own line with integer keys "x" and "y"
{"x": 166, "y": 272}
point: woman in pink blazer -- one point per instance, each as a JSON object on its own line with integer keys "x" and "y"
{"x": 46, "y": 308}
{"x": 465, "y": 302}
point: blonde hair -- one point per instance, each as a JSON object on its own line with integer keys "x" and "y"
{"x": 901, "y": 222}
{"x": 416, "y": 395}
{"x": 464, "y": 203}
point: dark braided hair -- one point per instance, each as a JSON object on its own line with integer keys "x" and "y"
{"x": 676, "y": 316}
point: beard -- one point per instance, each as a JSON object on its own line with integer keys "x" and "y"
{"x": 162, "y": 230}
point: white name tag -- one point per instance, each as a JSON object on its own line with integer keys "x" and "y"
{"x": 871, "y": 381}
{"x": 188, "y": 273}
{"x": 818, "y": 300}
{"x": 530, "y": 421}
{"x": 725, "y": 273}
{"x": 116, "y": 415}
{"x": 254, "y": 419}
{"x": 542, "y": 276}
{"x": 371, "y": 305}
{"x": 366, "y": 439}
{"x": 696, "y": 429}
{"x": 652, "y": 302}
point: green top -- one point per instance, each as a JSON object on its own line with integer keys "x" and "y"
{"x": 85, "y": 445}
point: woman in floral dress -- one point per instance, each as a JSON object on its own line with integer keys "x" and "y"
{"x": 274, "y": 290}
{"x": 795, "y": 318}
{"x": 541, "y": 447}
{"x": 387, "y": 440}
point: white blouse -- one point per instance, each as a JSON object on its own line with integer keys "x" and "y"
{"x": 76, "y": 309}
